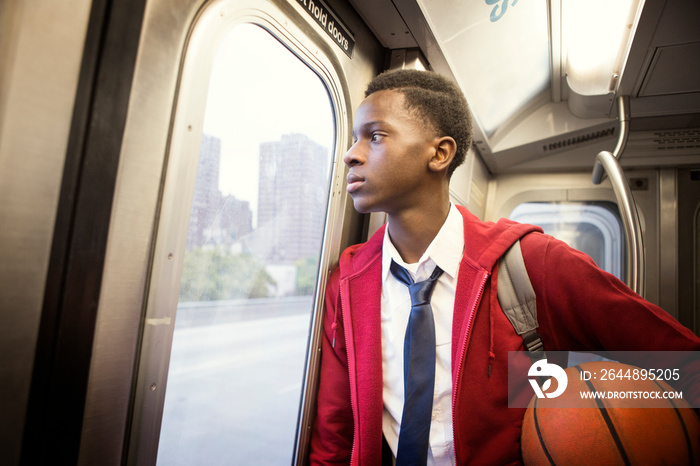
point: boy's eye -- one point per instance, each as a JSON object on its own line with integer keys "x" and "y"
{"x": 376, "y": 137}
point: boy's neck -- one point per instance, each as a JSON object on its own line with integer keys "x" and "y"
{"x": 412, "y": 231}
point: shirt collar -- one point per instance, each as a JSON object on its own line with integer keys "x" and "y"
{"x": 445, "y": 250}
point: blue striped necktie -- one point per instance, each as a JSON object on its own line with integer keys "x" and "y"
{"x": 418, "y": 369}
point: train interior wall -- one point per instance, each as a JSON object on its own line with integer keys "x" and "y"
{"x": 36, "y": 115}
{"x": 87, "y": 416}
{"x": 667, "y": 200}
{"x": 37, "y": 94}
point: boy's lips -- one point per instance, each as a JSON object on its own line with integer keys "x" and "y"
{"x": 354, "y": 182}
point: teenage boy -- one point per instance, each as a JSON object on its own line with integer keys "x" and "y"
{"x": 410, "y": 133}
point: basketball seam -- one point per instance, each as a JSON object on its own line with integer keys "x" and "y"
{"x": 539, "y": 435}
{"x": 689, "y": 444}
{"x": 608, "y": 421}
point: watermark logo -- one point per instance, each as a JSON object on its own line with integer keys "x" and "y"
{"x": 542, "y": 368}
{"x": 637, "y": 379}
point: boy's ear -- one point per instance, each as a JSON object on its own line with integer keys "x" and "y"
{"x": 445, "y": 150}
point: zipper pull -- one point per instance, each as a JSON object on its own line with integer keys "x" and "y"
{"x": 492, "y": 356}
{"x": 334, "y": 326}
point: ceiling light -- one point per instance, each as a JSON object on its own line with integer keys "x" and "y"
{"x": 597, "y": 35}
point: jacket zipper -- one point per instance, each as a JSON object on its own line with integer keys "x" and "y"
{"x": 347, "y": 355}
{"x": 472, "y": 314}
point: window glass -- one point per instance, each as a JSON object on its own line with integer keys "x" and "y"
{"x": 595, "y": 229}
{"x": 253, "y": 246}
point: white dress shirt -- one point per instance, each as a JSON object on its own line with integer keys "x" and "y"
{"x": 445, "y": 251}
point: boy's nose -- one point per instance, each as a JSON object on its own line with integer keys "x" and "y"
{"x": 352, "y": 157}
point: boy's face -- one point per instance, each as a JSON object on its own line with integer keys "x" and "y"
{"x": 390, "y": 155}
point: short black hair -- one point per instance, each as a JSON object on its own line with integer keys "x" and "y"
{"x": 437, "y": 99}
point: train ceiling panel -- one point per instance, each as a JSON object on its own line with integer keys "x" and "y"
{"x": 540, "y": 98}
{"x": 386, "y": 23}
{"x": 663, "y": 77}
{"x": 500, "y": 58}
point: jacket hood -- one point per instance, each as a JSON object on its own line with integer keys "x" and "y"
{"x": 484, "y": 243}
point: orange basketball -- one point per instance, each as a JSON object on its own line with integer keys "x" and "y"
{"x": 610, "y": 431}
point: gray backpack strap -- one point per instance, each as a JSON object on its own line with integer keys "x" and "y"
{"x": 517, "y": 299}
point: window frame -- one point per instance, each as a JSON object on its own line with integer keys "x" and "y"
{"x": 208, "y": 29}
{"x": 614, "y": 249}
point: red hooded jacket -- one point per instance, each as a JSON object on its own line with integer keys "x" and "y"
{"x": 579, "y": 306}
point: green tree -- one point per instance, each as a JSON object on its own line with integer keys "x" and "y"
{"x": 306, "y": 275}
{"x": 212, "y": 274}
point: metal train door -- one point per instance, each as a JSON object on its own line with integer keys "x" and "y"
{"x": 225, "y": 221}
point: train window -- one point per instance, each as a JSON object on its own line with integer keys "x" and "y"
{"x": 593, "y": 228}
{"x": 252, "y": 252}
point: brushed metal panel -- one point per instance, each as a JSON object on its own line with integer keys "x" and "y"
{"x": 134, "y": 211}
{"x": 39, "y": 39}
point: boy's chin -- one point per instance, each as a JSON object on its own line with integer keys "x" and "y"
{"x": 366, "y": 205}
{"x": 361, "y": 209}
{"x": 363, "y": 206}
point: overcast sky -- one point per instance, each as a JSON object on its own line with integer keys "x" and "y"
{"x": 259, "y": 91}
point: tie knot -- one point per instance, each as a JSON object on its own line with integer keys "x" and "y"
{"x": 420, "y": 292}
